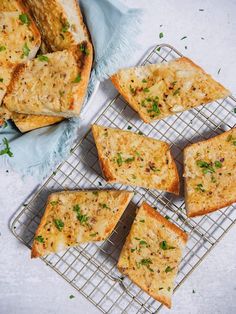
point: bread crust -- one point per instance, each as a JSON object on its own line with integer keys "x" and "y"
{"x": 193, "y": 210}
{"x": 111, "y": 176}
{"x": 160, "y": 86}
{"x": 148, "y": 213}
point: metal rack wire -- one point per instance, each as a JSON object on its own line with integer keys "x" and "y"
{"x": 91, "y": 268}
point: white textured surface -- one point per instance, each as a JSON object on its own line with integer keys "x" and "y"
{"x": 31, "y": 287}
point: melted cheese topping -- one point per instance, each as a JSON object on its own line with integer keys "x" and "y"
{"x": 211, "y": 187}
{"x": 17, "y": 40}
{"x": 145, "y": 261}
{"x": 159, "y": 90}
{"x": 134, "y": 159}
{"x": 86, "y": 216}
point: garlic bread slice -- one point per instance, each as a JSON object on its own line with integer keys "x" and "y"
{"x": 75, "y": 217}
{"x": 54, "y": 84}
{"x": 210, "y": 174}
{"x": 152, "y": 253}
{"x": 159, "y": 90}
{"x": 133, "y": 159}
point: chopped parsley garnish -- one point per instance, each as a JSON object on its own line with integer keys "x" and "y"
{"x": 155, "y": 108}
{"x": 218, "y": 164}
{"x": 84, "y": 49}
{"x": 161, "y": 35}
{"x": 53, "y": 203}
{"x": 95, "y": 192}
{"x": 218, "y": 72}
{"x": 140, "y": 132}
{"x": 25, "y": 51}
{"x": 24, "y": 19}
{"x": 159, "y": 48}
{"x": 61, "y": 93}
{"x": 132, "y": 90}
{"x": 183, "y": 38}
{"x": 7, "y": 149}
{"x": 65, "y": 27}
{"x": 93, "y": 234}
{"x": 77, "y": 79}
{"x": 144, "y": 81}
{"x": 167, "y": 217}
{"x": 146, "y": 90}
{"x": 176, "y": 92}
{"x": 206, "y": 167}
{"x": 142, "y": 242}
{"x": 234, "y": 110}
{"x": 71, "y": 296}
{"x": 136, "y": 238}
{"x": 169, "y": 269}
{"x": 43, "y": 58}
{"x": 161, "y": 288}
{"x": 142, "y": 220}
{"x": 168, "y": 288}
{"x": 2, "y": 48}
{"x": 104, "y": 205}
{"x": 200, "y": 188}
{"x": 164, "y": 246}
{"x": 132, "y": 250}
{"x": 128, "y": 160}
{"x": 83, "y": 218}
{"x": 59, "y": 224}
{"x": 129, "y": 127}
{"x": 39, "y": 238}
{"x": 119, "y": 159}
{"x": 99, "y": 183}
{"x": 146, "y": 262}
{"x": 1, "y": 79}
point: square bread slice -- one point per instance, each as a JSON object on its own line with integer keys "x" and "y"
{"x": 26, "y": 122}
{"x": 19, "y": 37}
{"x": 210, "y": 174}
{"x": 159, "y": 90}
{"x": 54, "y": 84}
{"x": 60, "y": 22}
{"x": 74, "y": 217}
{"x": 152, "y": 253}
{"x": 133, "y": 159}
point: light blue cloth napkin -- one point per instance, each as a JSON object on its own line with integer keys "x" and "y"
{"x": 113, "y": 28}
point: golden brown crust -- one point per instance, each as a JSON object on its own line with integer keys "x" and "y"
{"x": 203, "y": 207}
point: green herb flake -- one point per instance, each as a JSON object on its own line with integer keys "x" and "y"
{"x": 54, "y": 203}
{"x": 129, "y": 127}
{"x": 144, "y": 81}
{"x": 142, "y": 220}
{"x": 3, "y": 48}
{"x": 39, "y": 238}
{"x": 142, "y": 242}
{"x": 176, "y": 92}
{"x": 132, "y": 250}
{"x": 77, "y": 79}
{"x": 84, "y": 49}
{"x": 132, "y": 90}
{"x": 104, "y": 205}
{"x": 119, "y": 159}
{"x": 199, "y": 188}
{"x": 65, "y": 27}
{"x": 140, "y": 132}
{"x": 155, "y": 108}
{"x": 43, "y": 58}
{"x": 146, "y": 90}
{"x": 1, "y": 79}
{"x": 61, "y": 93}
{"x": 128, "y": 160}
{"x": 167, "y": 217}
{"x": 7, "y": 149}
{"x": 183, "y": 38}
{"x": 161, "y": 288}
{"x": 146, "y": 262}
{"x": 71, "y": 296}
{"x": 138, "y": 239}
{"x": 206, "y": 167}
{"x": 164, "y": 246}
{"x": 161, "y": 35}
{"x": 234, "y": 111}
{"x": 169, "y": 288}
{"x": 159, "y": 49}
{"x": 169, "y": 269}
{"x": 25, "y": 51}
{"x": 24, "y": 19}
{"x": 218, "y": 164}
{"x": 59, "y": 224}
{"x": 83, "y": 218}
{"x": 93, "y": 234}
{"x": 95, "y": 193}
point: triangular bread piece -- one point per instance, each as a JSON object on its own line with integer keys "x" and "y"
{"x": 74, "y": 217}
{"x": 60, "y": 22}
{"x": 152, "y": 253}
{"x": 159, "y": 90}
{"x": 132, "y": 159}
{"x": 210, "y": 174}
{"x": 54, "y": 84}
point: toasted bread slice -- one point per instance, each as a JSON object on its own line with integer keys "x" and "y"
{"x": 19, "y": 37}
{"x": 137, "y": 160}
{"x": 74, "y": 217}
{"x": 159, "y": 90}
{"x": 6, "y": 71}
{"x": 152, "y": 253}
{"x": 25, "y": 122}
{"x": 210, "y": 174}
{"x": 54, "y": 85}
{"x": 60, "y": 22}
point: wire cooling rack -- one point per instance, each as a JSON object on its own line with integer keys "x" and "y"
{"x": 91, "y": 268}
